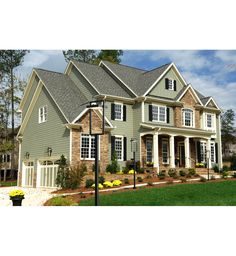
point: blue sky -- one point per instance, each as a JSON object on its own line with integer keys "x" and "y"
{"x": 212, "y": 72}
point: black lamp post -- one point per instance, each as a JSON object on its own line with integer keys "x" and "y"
{"x": 96, "y": 131}
{"x": 134, "y": 150}
{"x": 208, "y": 164}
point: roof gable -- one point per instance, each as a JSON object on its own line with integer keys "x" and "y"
{"x": 190, "y": 91}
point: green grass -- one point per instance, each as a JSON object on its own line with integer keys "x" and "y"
{"x": 200, "y": 194}
{"x": 8, "y": 183}
{"x": 60, "y": 201}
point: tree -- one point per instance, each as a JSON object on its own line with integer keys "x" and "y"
{"x": 227, "y": 129}
{"x": 109, "y": 55}
{"x": 87, "y": 56}
{"x": 9, "y": 60}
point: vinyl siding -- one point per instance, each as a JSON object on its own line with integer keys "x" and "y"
{"x": 159, "y": 89}
{"x": 137, "y": 119}
{"x": 82, "y": 83}
{"x": 38, "y": 137}
{"x": 30, "y": 96}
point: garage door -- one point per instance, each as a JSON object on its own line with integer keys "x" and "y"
{"x": 48, "y": 174}
{"x": 28, "y": 174}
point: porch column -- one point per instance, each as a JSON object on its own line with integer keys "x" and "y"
{"x": 186, "y": 148}
{"x": 155, "y": 151}
{"x": 208, "y": 147}
{"x": 172, "y": 151}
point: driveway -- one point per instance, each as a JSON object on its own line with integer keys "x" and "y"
{"x": 33, "y": 196}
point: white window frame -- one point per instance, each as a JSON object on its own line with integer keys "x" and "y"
{"x": 44, "y": 117}
{"x": 165, "y": 141}
{"x": 171, "y": 86}
{"x": 120, "y": 137}
{"x": 121, "y": 113}
{"x": 90, "y": 140}
{"x": 183, "y": 117}
{"x": 213, "y": 118}
{"x": 158, "y": 113}
{"x": 203, "y": 148}
{"x": 149, "y": 139}
{"x": 213, "y": 159}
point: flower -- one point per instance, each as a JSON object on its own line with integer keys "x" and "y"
{"x": 100, "y": 186}
{"x": 131, "y": 172}
{"x": 108, "y": 184}
{"x": 117, "y": 183}
{"x": 17, "y": 193}
{"x": 119, "y": 172}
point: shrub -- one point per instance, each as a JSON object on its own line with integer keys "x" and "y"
{"x": 234, "y": 175}
{"x": 89, "y": 183}
{"x": 216, "y": 168}
{"x": 108, "y": 184}
{"x": 100, "y": 186}
{"x": 173, "y": 173}
{"x": 140, "y": 170}
{"x": 125, "y": 170}
{"x": 162, "y": 175}
{"x": 183, "y": 179}
{"x": 129, "y": 164}
{"x": 139, "y": 179}
{"x": 93, "y": 168}
{"x": 202, "y": 179}
{"x": 200, "y": 165}
{"x": 224, "y": 174}
{"x": 63, "y": 173}
{"x": 117, "y": 182}
{"x": 101, "y": 179}
{"x": 148, "y": 176}
{"x": 126, "y": 181}
{"x": 225, "y": 168}
{"x": 114, "y": 166}
{"x": 120, "y": 172}
{"x": 182, "y": 173}
{"x": 191, "y": 171}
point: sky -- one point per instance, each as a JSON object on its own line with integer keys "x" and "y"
{"x": 212, "y": 72}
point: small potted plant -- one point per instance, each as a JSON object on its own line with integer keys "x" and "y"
{"x": 149, "y": 164}
{"x": 17, "y": 196}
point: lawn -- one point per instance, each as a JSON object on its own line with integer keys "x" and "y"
{"x": 8, "y": 183}
{"x": 200, "y": 194}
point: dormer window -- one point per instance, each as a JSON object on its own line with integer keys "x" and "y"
{"x": 170, "y": 84}
{"x": 43, "y": 114}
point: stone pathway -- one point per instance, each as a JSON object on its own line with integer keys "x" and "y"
{"x": 33, "y": 196}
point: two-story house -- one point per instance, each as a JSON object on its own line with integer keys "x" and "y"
{"x": 174, "y": 124}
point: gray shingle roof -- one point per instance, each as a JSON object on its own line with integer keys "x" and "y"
{"x": 104, "y": 83}
{"x": 63, "y": 90}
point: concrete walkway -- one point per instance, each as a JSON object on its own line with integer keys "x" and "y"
{"x": 33, "y": 196}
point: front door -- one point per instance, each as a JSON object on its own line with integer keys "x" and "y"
{"x": 181, "y": 155}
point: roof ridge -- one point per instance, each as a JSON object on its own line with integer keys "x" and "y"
{"x": 124, "y": 65}
{"x": 157, "y": 68}
{"x": 51, "y": 71}
{"x": 86, "y": 63}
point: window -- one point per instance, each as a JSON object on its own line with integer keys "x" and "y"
{"x": 159, "y": 114}
{"x": 87, "y": 148}
{"x": 43, "y": 114}
{"x": 118, "y": 111}
{"x": 187, "y": 117}
{"x": 209, "y": 121}
{"x": 203, "y": 156}
{"x": 119, "y": 148}
{"x": 165, "y": 159}
{"x": 6, "y": 158}
{"x": 149, "y": 150}
{"x": 213, "y": 153}
{"x": 170, "y": 84}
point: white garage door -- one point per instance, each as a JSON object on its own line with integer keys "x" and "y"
{"x": 28, "y": 174}
{"x": 48, "y": 174}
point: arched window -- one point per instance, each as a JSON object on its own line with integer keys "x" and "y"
{"x": 187, "y": 117}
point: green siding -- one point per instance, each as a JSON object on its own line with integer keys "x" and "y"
{"x": 30, "y": 96}
{"x": 38, "y": 137}
{"x": 137, "y": 119}
{"x": 82, "y": 83}
{"x": 124, "y": 128}
{"x": 159, "y": 89}
{"x": 146, "y": 115}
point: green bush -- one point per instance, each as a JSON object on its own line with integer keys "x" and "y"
{"x": 216, "y": 168}
{"x": 234, "y": 175}
{"x": 89, "y": 183}
{"x": 225, "y": 168}
{"x": 139, "y": 179}
{"x": 125, "y": 170}
{"x": 114, "y": 166}
{"x": 140, "y": 170}
{"x": 224, "y": 174}
{"x": 126, "y": 181}
{"x": 148, "y": 176}
{"x": 101, "y": 179}
{"x": 182, "y": 173}
{"x": 162, "y": 175}
{"x": 183, "y": 179}
{"x": 191, "y": 171}
{"x": 173, "y": 173}
{"x": 61, "y": 201}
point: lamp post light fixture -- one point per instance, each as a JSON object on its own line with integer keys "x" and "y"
{"x": 134, "y": 150}
{"x": 95, "y": 130}
{"x": 49, "y": 151}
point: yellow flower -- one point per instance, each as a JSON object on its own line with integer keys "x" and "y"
{"x": 100, "y": 186}
{"x": 16, "y": 193}
{"x": 131, "y": 172}
{"x": 117, "y": 183}
{"x": 108, "y": 184}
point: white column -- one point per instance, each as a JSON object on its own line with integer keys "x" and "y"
{"x": 208, "y": 147}
{"x": 155, "y": 151}
{"x": 187, "y": 156}
{"x": 172, "y": 151}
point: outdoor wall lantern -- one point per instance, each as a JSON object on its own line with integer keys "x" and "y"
{"x": 49, "y": 151}
{"x": 27, "y": 154}
{"x": 133, "y": 142}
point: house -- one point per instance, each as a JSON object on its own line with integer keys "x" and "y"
{"x": 174, "y": 124}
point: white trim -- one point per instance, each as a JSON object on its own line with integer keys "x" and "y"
{"x": 121, "y": 114}
{"x": 162, "y": 75}
{"x": 122, "y": 146}
{"x": 101, "y": 62}
{"x": 70, "y": 152}
{"x": 19, "y": 165}
{"x": 146, "y": 140}
{"x": 142, "y": 111}
{"x": 159, "y": 106}
{"x": 190, "y": 87}
{"x": 213, "y": 102}
{"x": 183, "y": 117}
{"x": 90, "y": 137}
{"x": 165, "y": 140}
{"x": 213, "y": 121}
{"x": 44, "y": 119}
{"x": 68, "y": 68}
{"x": 85, "y": 77}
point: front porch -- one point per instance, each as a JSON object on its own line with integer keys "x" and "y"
{"x": 161, "y": 151}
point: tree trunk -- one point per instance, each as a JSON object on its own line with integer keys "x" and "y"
{"x": 12, "y": 125}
